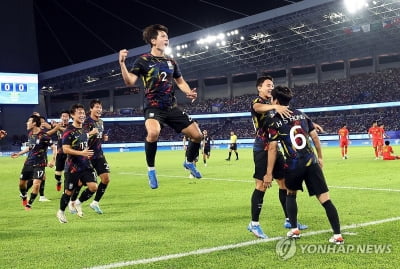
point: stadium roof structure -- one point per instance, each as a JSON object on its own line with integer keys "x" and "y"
{"x": 302, "y": 34}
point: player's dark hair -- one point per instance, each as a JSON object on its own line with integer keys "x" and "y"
{"x": 282, "y": 94}
{"x": 64, "y": 111}
{"x": 387, "y": 142}
{"x": 36, "y": 120}
{"x": 261, "y": 80}
{"x": 94, "y": 102}
{"x": 151, "y": 32}
{"x": 344, "y": 124}
{"x": 75, "y": 107}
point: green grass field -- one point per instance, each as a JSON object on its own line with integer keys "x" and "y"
{"x": 191, "y": 223}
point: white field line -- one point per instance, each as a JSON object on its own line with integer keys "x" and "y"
{"x": 251, "y": 181}
{"x": 363, "y": 188}
{"x": 232, "y": 246}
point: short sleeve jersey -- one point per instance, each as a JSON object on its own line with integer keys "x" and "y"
{"x": 38, "y": 145}
{"x": 375, "y": 132}
{"x": 233, "y": 139}
{"x": 261, "y": 138}
{"x": 343, "y": 134}
{"x": 207, "y": 141}
{"x": 157, "y": 74}
{"x": 387, "y": 151}
{"x": 59, "y": 134}
{"x": 293, "y": 133}
{"x": 94, "y": 141}
{"x": 78, "y": 140}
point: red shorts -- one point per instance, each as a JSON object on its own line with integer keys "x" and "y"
{"x": 389, "y": 158}
{"x": 344, "y": 143}
{"x": 377, "y": 143}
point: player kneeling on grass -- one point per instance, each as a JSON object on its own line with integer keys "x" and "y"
{"x": 302, "y": 164}
{"x": 78, "y": 168}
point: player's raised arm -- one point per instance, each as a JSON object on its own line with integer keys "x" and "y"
{"x": 2, "y": 134}
{"x": 129, "y": 78}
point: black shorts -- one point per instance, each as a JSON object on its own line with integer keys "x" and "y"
{"x": 60, "y": 161}
{"x": 174, "y": 117}
{"x": 312, "y": 176}
{"x": 32, "y": 172}
{"x": 207, "y": 151}
{"x": 100, "y": 165}
{"x": 233, "y": 146}
{"x": 260, "y": 165}
{"x": 196, "y": 157}
{"x": 72, "y": 179}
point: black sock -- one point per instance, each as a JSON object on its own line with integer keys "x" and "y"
{"x": 100, "y": 191}
{"x": 29, "y": 184}
{"x": 192, "y": 152}
{"x": 230, "y": 153}
{"x": 257, "y": 200}
{"x": 75, "y": 193}
{"x": 86, "y": 194}
{"x": 282, "y": 199}
{"x": 151, "y": 149}
{"x": 23, "y": 191}
{"x": 41, "y": 188}
{"x": 64, "y": 201}
{"x": 332, "y": 215}
{"x": 32, "y": 198}
{"x": 237, "y": 156}
{"x": 291, "y": 209}
{"x": 58, "y": 178}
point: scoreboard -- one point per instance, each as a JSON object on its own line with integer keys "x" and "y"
{"x": 19, "y": 88}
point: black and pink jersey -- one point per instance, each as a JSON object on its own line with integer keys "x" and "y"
{"x": 293, "y": 134}
{"x": 94, "y": 141}
{"x": 38, "y": 145}
{"x": 59, "y": 134}
{"x": 158, "y": 74}
{"x": 261, "y": 139}
{"x": 78, "y": 140}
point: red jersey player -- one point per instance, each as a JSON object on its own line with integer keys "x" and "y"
{"x": 387, "y": 151}
{"x": 382, "y": 139}
{"x": 344, "y": 140}
{"x": 375, "y": 133}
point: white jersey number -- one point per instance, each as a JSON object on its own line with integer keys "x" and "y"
{"x": 294, "y": 137}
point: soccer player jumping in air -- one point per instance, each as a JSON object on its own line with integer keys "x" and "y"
{"x": 158, "y": 73}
